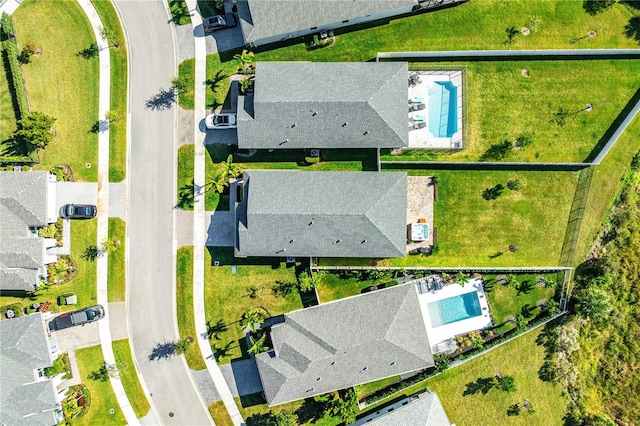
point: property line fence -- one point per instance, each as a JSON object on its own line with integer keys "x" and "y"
{"x": 437, "y": 269}
{"x": 578, "y": 208}
{"x": 482, "y": 165}
{"x": 510, "y": 55}
{"x": 623, "y": 121}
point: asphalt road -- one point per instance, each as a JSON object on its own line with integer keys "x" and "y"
{"x": 151, "y": 265}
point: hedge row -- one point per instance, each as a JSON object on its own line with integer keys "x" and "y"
{"x": 11, "y": 50}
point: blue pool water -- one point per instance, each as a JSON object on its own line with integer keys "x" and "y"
{"x": 443, "y": 109}
{"x": 454, "y": 309}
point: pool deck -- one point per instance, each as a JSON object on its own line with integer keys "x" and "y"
{"x": 421, "y": 137}
{"x": 445, "y": 332}
{"x": 420, "y": 197}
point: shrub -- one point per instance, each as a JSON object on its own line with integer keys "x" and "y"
{"x": 14, "y": 67}
{"x": 35, "y": 130}
{"x": 48, "y": 231}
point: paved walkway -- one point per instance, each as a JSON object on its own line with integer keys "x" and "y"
{"x": 103, "y": 208}
{"x": 199, "y": 218}
{"x": 9, "y": 6}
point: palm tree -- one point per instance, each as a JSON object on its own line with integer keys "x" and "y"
{"x": 549, "y": 282}
{"x": 230, "y": 169}
{"x": 254, "y": 316}
{"x": 246, "y": 58}
{"x": 553, "y": 307}
{"x": 512, "y": 281}
{"x": 245, "y": 83}
{"x": 478, "y": 342}
{"x": 463, "y": 278}
{"x": 217, "y": 182}
{"x": 257, "y": 345}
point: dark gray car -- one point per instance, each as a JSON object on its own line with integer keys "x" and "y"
{"x": 218, "y": 22}
{"x": 79, "y": 211}
{"x": 77, "y": 317}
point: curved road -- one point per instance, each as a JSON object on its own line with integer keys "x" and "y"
{"x": 150, "y": 225}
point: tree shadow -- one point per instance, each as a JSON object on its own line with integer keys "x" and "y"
{"x": 493, "y": 193}
{"x": 223, "y": 351}
{"x": 90, "y": 52}
{"x": 214, "y": 329}
{"x": 101, "y": 374}
{"x": 481, "y": 385}
{"x": 99, "y": 126}
{"x": 162, "y": 351}
{"x": 91, "y": 253}
{"x": 186, "y": 196}
{"x": 496, "y": 254}
{"x": 525, "y": 287}
{"x": 311, "y": 411}
{"x": 497, "y": 151}
{"x": 15, "y": 146}
{"x": 632, "y": 29}
{"x": 527, "y": 310}
{"x": 161, "y": 101}
{"x": 283, "y": 289}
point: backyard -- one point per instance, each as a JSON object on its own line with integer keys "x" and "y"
{"x": 7, "y": 114}
{"x": 61, "y": 83}
{"x": 234, "y": 288}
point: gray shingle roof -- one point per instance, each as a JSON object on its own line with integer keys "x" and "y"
{"x": 345, "y": 343}
{"x": 23, "y": 349}
{"x": 425, "y": 411}
{"x": 23, "y": 204}
{"x": 267, "y": 18}
{"x": 325, "y": 214}
{"x": 325, "y": 105}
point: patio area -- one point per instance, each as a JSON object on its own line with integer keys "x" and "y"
{"x": 420, "y": 197}
{"x": 431, "y": 291}
{"x": 435, "y": 109}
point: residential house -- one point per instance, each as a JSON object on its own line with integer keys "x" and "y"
{"x": 322, "y": 214}
{"x": 423, "y": 409}
{"x": 270, "y": 21}
{"x": 345, "y": 343}
{"x": 27, "y": 397}
{"x": 299, "y": 105}
{"x": 27, "y": 201}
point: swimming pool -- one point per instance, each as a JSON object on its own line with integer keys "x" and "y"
{"x": 454, "y": 309}
{"x": 443, "y": 109}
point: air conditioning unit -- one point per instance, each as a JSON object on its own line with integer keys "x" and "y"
{"x": 314, "y": 153}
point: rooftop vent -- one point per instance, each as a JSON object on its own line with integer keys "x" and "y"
{"x": 345, "y": 124}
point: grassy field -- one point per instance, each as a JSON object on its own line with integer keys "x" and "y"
{"x": 229, "y": 293}
{"x": 506, "y": 301}
{"x": 83, "y": 234}
{"x": 606, "y": 186}
{"x": 520, "y": 358}
{"x": 102, "y": 397}
{"x": 503, "y": 105}
{"x": 332, "y": 287}
{"x": 477, "y": 25}
{"x": 472, "y": 231}
{"x": 116, "y": 279}
{"x": 61, "y": 83}
{"x": 184, "y": 301}
{"x": 220, "y": 414}
{"x": 119, "y": 76}
{"x": 129, "y": 378}
{"x": 185, "y": 177}
{"x": 7, "y": 113}
{"x": 254, "y": 410}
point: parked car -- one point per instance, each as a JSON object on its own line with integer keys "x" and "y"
{"x": 79, "y": 211}
{"x": 221, "y": 121}
{"x": 78, "y": 317}
{"x": 218, "y": 22}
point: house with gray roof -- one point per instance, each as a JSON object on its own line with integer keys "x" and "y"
{"x": 27, "y": 202}
{"x": 270, "y": 21}
{"x": 322, "y": 214}
{"x": 345, "y": 343}
{"x": 26, "y": 396}
{"x": 424, "y": 409}
{"x": 298, "y": 105}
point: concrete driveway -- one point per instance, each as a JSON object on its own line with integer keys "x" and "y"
{"x": 76, "y": 193}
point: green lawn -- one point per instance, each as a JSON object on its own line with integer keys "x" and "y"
{"x": 83, "y": 234}
{"x": 254, "y": 409}
{"x": 218, "y": 81}
{"x": 476, "y": 25}
{"x": 332, "y": 286}
{"x": 129, "y": 378}
{"x": 116, "y": 279}
{"x": 220, "y": 414}
{"x": 185, "y": 177}
{"x": 228, "y": 295}
{"x": 369, "y": 388}
{"x": 102, "y": 397}
{"x": 503, "y": 105}
{"x": 506, "y": 301}
{"x": 7, "y": 113}
{"x": 606, "y": 186}
{"x": 520, "y": 358}
{"x": 184, "y": 302}
{"x": 119, "y": 75}
{"x": 61, "y": 83}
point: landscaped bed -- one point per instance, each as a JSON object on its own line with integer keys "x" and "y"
{"x": 61, "y": 83}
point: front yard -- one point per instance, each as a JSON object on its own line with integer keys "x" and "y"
{"x": 61, "y": 83}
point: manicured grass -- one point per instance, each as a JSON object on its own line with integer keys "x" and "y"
{"x": 102, "y": 397}
{"x": 333, "y": 287}
{"x": 61, "y": 83}
{"x": 119, "y": 76}
{"x": 116, "y": 279}
{"x": 220, "y": 414}
{"x": 7, "y": 113}
{"x": 180, "y": 12}
{"x": 606, "y": 186}
{"x": 476, "y": 25}
{"x": 218, "y": 82}
{"x": 184, "y": 301}
{"x": 185, "y": 177}
{"x": 187, "y": 71}
{"x": 254, "y": 409}
{"x": 506, "y": 301}
{"x": 83, "y": 234}
{"x": 369, "y": 388}
{"x": 503, "y": 105}
{"x": 520, "y": 358}
{"x": 228, "y": 295}
{"x": 129, "y": 378}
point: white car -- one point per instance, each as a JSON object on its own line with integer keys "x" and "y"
{"x": 220, "y": 121}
